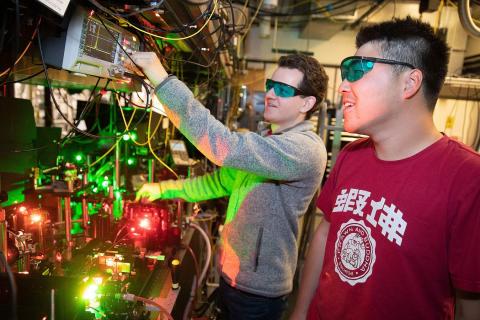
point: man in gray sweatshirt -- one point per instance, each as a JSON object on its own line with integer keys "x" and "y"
{"x": 270, "y": 180}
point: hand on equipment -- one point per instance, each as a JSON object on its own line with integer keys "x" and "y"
{"x": 150, "y": 65}
{"x": 149, "y": 192}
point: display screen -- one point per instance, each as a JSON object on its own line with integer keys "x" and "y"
{"x": 98, "y": 41}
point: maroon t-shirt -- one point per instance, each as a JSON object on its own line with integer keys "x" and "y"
{"x": 403, "y": 234}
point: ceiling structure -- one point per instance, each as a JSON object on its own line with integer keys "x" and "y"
{"x": 205, "y": 35}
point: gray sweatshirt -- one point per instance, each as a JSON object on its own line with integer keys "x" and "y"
{"x": 270, "y": 180}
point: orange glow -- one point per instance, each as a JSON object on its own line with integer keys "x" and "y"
{"x": 230, "y": 262}
{"x": 35, "y": 218}
{"x": 174, "y": 118}
{"x": 216, "y": 152}
{"x": 22, "y": 209}
{"x": 124, "y": 80}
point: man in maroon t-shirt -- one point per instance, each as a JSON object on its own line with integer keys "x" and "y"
{"x": 401, "y": 234}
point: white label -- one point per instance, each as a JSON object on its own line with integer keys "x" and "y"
{"x": 59, "y": 6}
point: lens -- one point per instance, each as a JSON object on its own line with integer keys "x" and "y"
{"x": 281, "y": 89}
{"x": 269, "y": 85}
{"x": 354, "y": 69}
{"x": 344, "y": 67}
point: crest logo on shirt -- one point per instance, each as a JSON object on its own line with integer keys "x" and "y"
{"x": 354, "y": 252}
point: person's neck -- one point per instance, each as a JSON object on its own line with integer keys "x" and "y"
{"x": 408, "y": 139}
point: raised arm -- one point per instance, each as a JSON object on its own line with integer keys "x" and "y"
{"x": 289, "y": 156}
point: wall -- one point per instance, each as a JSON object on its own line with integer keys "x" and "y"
{"x": 473, "y": 46}
{"x": 458, "y": 119}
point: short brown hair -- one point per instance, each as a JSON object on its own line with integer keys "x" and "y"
{"x": 315, "y": 79}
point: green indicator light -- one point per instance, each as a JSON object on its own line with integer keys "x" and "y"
{"x": 157, "y": 257}
{"x": 126, "y": 137}
{"x": 78, "y": 157}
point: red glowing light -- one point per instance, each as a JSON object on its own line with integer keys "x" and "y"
{"x": 22, "y": 209}
{"x": 145, "y": 223}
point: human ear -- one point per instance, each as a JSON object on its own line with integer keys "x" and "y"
{"x": 309, "y": 102}
{"x": 413, "y": 83}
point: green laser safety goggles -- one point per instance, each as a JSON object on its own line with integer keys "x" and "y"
{"x": 354, "y": 68}
{"x": 282, "y": 89}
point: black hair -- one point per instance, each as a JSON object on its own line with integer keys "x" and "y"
{"x": 415, "y": 42}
